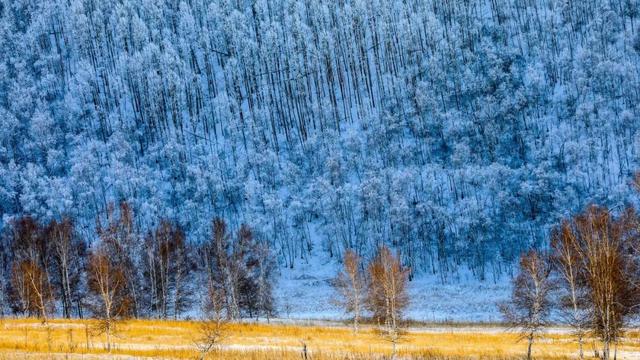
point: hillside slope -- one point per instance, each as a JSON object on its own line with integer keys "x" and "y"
{"x": 455, "y": 131}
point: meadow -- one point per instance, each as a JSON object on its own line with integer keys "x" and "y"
{"x": 144, "y": 339}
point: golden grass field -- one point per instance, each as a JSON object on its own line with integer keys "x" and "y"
{"x": 62, "y": 339}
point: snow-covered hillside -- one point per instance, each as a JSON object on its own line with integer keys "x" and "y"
{"x": 456, "y": 132}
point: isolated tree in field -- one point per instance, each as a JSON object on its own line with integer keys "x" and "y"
{"x": 350, "y": 286}
{"x": 107, "y": 283}
{"x": 604, "y": 245}
{"x": 387, "y": 293}
{"x": 214, "y": 322}
{"x": 530, "y": 304}
{"x": 567, "y": 263}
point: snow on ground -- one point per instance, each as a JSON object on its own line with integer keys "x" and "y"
{"x": 465, "y": 299}
{"x": 304, "y": 293}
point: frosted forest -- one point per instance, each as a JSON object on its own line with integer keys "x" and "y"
{"x": 456, "y": 132}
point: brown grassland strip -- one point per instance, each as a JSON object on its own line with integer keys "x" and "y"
{"x": 76, "y": 339}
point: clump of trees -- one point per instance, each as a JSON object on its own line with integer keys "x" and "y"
{"x": 592, "y": 274}
{"x": 48, "y": 270}
{"x": 380, "y": 288}
{"x": 168, "y": 265}
{"x": 30, "y": 287}
{"x": 240, "y": 269}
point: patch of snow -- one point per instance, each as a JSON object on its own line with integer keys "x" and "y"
{"x": 305, "y": 293}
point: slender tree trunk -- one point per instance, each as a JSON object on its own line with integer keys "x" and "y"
{"x": 66, "y": 288}
{"x": 108, "y": 336}
{"x": 394, "y": 341}
{"x": 356, "y": 317}
{"x": 580, "y": 347}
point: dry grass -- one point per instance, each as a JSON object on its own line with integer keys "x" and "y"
{"x": 29, "y": 339}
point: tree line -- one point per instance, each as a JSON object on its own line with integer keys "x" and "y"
{"x": 49, "y": 270}
{"x": 590, "y": 276}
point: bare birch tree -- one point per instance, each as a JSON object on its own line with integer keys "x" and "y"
{"x": 122, "y": 244}
{"x": 387, "y": 293}
{"x": 604, "y": 246}
{"x": 68, "y": 253}
{"x": 530, "y": 304}
{"x": 30, "y": 287}
{"x": 350, "y": 286}
{"x": 166, "y": 270}
{"x": 567, "y": 263}
{"x": 108, "y": 283}
{"x": 214, "y": 323}
{"x": 32, "y": 283}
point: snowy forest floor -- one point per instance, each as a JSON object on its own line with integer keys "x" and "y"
{"x": 305, "y": 293}
{"x": 30, "y": 339}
